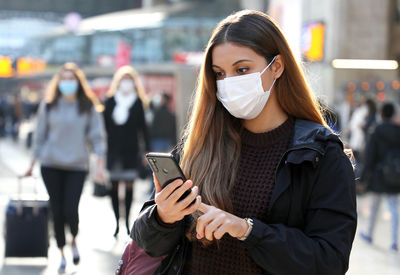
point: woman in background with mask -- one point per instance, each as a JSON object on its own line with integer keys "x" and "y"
{"x": 68, "y": 120}
{"x": 273, "y": 189}
{"x": 126, "y": 133}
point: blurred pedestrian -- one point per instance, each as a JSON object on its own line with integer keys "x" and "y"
{"x": 126, "y": 130}
{"x": 274, "y": 192}
{"x": 14, "y": 113}
{"x": 357, "y": 134}
{"x": 381, "y": 173}
{"x": 2, "y": 117}
{"x": 68, "y": 120}
{"x": 344, "y": 110}
{"x": 163, "y": 127}
{"x": 370, "y": 118}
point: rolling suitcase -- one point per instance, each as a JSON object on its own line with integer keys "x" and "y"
{"x": 26, "y": 225}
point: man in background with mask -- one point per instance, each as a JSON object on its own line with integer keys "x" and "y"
{"x": 163, "y": 128}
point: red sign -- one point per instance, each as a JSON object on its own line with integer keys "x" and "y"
{"x": 123, "y": 54}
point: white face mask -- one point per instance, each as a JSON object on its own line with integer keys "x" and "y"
{"x": 157, "y": 100}
{"x": 126, "y": 86}
{"x": 243, "y": 96}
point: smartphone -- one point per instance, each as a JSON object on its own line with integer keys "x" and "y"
{"x": 166, "y": 169}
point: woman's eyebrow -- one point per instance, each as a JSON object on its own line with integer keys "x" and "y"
{"x": 235, "y": 63}
{"x": 242, "y": 60}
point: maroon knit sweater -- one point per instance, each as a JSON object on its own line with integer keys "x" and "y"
{"x": 252, "y": 192}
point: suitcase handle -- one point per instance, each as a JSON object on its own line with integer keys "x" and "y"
{"x": 19, "y": 196}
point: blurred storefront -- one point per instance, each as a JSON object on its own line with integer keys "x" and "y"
{"x": 164, "y": 40}
{"x": 352, "y": 46}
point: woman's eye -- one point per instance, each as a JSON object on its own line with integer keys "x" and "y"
{"x": 242, "y": 70}
{"x": 219, "y": 74}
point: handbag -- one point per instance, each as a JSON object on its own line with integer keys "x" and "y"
{"x": 135, "y": 260}
{"x": 100, "y": 190}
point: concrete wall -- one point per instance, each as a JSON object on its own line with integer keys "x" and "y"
{"x": 358, "y": 29}
{"x": 365, "y": 29}
{"x": 394, "y": 44}
{"x": 186, "y": 79}
{"x": 320, "y": 74}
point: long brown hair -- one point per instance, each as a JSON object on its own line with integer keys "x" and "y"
{"x": 212, "y": 141}
{"x": 86, "y": 98}
{"x": 131, "y": 72}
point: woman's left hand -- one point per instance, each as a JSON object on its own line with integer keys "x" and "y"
{"x": 214, "y": 223}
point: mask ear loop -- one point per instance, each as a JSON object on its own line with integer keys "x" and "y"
{"x": 273, "y": 82}
{"x": 272, "y": 85}
{"x": 270, "y": 63}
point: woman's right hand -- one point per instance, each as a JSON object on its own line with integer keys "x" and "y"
{"x": 169, "y": 209}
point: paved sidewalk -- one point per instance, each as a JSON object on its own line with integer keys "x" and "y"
{"x": 376, "y": 258}
{"x": 100, "y": 251}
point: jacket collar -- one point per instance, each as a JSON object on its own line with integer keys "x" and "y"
{"x": 307, "y": 136}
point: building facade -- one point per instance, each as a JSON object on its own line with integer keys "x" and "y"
{"x": 355, "y": 29}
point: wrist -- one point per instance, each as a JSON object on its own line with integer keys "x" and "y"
{"x": 249, "y": 223}
{"x": 162, "y": 221}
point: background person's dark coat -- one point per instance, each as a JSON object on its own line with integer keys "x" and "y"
{"x": 164, "y": 124}
{"x": 385, "y": 138}
{"x": 123, "y": 140}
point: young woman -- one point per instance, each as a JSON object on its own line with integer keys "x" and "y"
{"x": 126, "y": 128}
{"x": 274, "y": 190}
{"x": 67, "y": 120}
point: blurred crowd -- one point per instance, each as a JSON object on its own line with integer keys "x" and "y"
{"x": 71, "y": 123}
{"x": 371, "y": 129}
{"x": 130, "y": 123}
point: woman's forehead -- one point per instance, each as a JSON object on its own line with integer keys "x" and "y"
{"x": 228, "y": 53}
{"x": 127, "y": 76}
{"x": 67, "y": 73}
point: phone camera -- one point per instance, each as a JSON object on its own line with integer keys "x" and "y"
{"x": 165, "y": 170}
{"x": 153, "y": 164}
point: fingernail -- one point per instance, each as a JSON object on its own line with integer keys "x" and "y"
{"x": 195, "y": 189}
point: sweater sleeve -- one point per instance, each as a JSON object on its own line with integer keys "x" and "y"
{"x": 41, "y": 130}
{"x": 323, "y": 245}
{"x": 96, "y": 133}
{"x": 155, "y": 238}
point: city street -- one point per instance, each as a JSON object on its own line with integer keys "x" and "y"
{"x": 103, "y": 80}
{"x": 100, "y": 252}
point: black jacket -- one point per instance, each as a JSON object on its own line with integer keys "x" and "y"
{"x": 312, "y": 213}
{"x": 123, "y": 140}
{"x": 164, "y": 124}
{"x": 385, "y": 138}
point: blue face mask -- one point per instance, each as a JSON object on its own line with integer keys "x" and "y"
{"x": 68, "y": 87}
